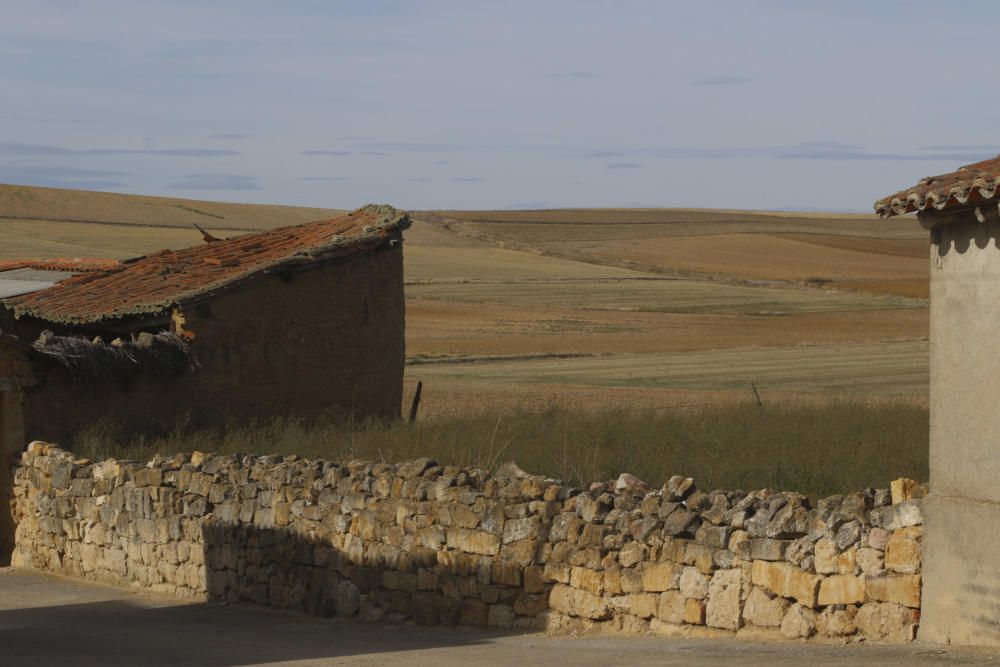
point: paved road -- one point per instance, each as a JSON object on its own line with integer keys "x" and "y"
{"x": 46, "y": 620}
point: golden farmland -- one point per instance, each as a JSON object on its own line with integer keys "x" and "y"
{"x": 591, "y": 307}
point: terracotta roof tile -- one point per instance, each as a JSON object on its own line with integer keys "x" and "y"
{"x": 971, "y": 184}
{"x": 71, "y": 264}
{"x": 157, "y": 281}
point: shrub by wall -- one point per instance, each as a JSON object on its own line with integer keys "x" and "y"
{"x": 442, "y": 545}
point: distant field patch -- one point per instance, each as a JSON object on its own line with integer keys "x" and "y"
{"x": 873, "y": 369}
{"x": 659, "y": 295}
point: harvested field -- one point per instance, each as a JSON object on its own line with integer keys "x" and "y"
{"x": 441, "y": 329}
{"x": 877, "y": 369}
{"x": 650, "y": 294}
{"x": 587, "y": 307}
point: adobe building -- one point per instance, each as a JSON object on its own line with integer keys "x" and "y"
{"x": 961, "y": 570}
{"x": 298, "y": 321}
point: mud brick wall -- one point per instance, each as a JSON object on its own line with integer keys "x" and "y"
{"x": 330, "y": 339}
{"x": 443, "y": 545}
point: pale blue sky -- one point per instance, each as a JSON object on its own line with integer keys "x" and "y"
{"x": 466, "y": 104}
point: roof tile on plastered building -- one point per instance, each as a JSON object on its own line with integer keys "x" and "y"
{"x": 155, "y": 282}
{"x": 971, "y": 184}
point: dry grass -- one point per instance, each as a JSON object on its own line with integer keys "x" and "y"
{"x": 817, "y": 449}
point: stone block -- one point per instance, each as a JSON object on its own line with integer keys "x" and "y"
{"x": 658, "y": 577}
{"x": 694, "y": 612}
{"x": 672, "y": 607}
{"x": 903, "y": 550}
{"x": 799, "y": 623}
{"x": 837, "y": 622}
{"x": 575, "y": 602}
{"x": 765, "y": 548}
{"x": 693, "y": 584}
{"x": 903, "y": 589}
{"x": 787, "y": 581}
{"x": 764, "y": 609}
{"x": 473, "y": 541}
{"x": 841, "y": 589}
{"x": 587, "y": 580}
{"x": 888, "y": 621}
{"x": 723, "y": 609}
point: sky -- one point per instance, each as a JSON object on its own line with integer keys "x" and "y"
{"x": 750, "y": 104}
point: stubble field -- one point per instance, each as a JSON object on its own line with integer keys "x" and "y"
{"x": 646, "y": 307}
{"x": 581, "y": 341}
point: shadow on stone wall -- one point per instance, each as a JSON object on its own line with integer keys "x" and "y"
{"x": 283, "y": 569}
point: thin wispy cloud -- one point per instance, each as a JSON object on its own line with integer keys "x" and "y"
{"x": 41, "y": 150}
{"x": 573, "y": 74}
{"x": 723, "y": 81}
{"x": 994, "y": 148}
{"x": 325, "y": 178}
{"x": 624, "y": 165}
{"x": 216, "y": 182}
{"x": 62, "y": 177}
{"x": 418, "y": 179}
{"x": 228, "y": 136}
{"x": 467, "y": 179}
{"x": 605, "y": 154}
{"x": 374, "y": 153}
{"x": 53, "y": 120}
{"x": 325, "y": 152}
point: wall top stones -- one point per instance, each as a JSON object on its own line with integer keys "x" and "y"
{"x": 441, "y": 544}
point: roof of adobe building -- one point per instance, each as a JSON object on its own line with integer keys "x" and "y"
{"x": 68, "y": 264}
{"x": 971, "y": 184}
{"x": 156, "y": 282}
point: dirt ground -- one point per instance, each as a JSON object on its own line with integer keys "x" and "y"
{"x": 47, "y": 620}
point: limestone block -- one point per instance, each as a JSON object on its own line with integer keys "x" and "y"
{"x": 787, "y": 581}
{"x": 887, "y": 620}
{"x": 903, "y": 489}
{"x": 765, "y": 548}
{"x": 723, "y": 609}
{"x": 903, "y": 589}
{"x": 473, "y": 541}
{"x": 837, "y": 622}
{"x": 841, "y": 589}
{"x": 672, "y": 607}
{"x": 658, "y": 577}
{"x": 693, "y": 584}
{"x": 799, "y": 622}
{"x": 871, "y": 561}
{"x": 575, "y": 602}
{"x": 642, "y": 605}
{"x": 521, "y": 529}
{"x": 903, "y": 550}
{"x": 587, "y": 580}
{"x": 632, "y": 553}
{"x": 534, "y": 579}
{"x": 893, "y": 517}
{"x": 500, "y": 616}
{"x": 764, "y": 609}
{"x": 694, "y": 612}
{"x": 878, "y": 538}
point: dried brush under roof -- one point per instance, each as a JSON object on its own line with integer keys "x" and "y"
{"x": 92, "y": 361}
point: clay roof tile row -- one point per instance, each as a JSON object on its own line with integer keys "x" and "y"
{"x": 155, "y": 282}
{"x": 972, "y": 184}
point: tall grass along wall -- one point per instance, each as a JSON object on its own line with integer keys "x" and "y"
{"x": 461, "y": 546}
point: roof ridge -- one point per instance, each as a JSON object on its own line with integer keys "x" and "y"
{"x": 159, "y": 280}
{"x": 969, "y": 184}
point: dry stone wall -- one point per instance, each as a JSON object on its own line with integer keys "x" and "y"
{"x": 443, "y": 545}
